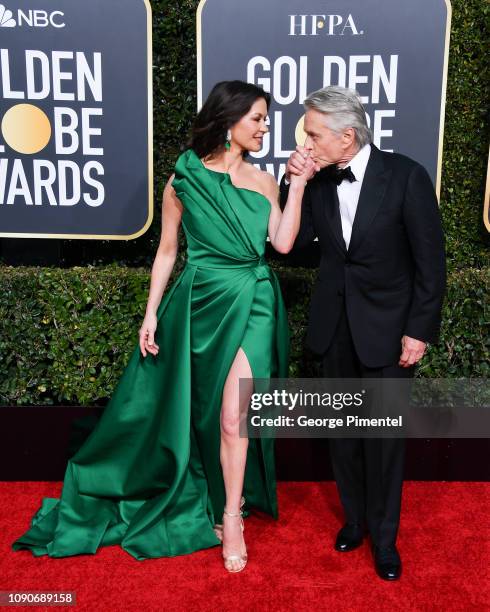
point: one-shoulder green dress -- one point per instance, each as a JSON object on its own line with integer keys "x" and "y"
{"x": 149, "y": 476}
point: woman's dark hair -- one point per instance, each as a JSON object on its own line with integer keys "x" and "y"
{"x": 226, "y": 104}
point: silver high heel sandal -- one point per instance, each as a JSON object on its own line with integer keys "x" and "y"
{"x": 218, "y": 529}
{"x": 243, "y": 558}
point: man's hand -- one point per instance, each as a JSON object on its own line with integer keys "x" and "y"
{"x": 300, "y": 161}
{"x": 412, "y": 351}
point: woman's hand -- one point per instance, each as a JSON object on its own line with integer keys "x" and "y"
{"x": 300, "y": 162}
{"x": 309, "y": 169}
{"x": 147, "y": 335}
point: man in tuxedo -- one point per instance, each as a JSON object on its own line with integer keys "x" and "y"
{"x": 378, "y": 297}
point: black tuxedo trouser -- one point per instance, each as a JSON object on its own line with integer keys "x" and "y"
{"x": 368, "y": 471}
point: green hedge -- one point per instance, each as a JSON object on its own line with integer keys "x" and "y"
{"x": 66, "y": 335}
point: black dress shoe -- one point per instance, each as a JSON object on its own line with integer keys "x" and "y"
{"x": 349, "y": 537}
{"x": 387, "y": 562}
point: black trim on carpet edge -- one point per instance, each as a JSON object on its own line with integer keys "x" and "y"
{"x": 38, "y": 440}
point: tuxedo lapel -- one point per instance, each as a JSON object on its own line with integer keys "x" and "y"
{"x": 373, "y": 189}
{"x": 326, "y": 195}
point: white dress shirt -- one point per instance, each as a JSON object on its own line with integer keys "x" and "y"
{"x": 349, "y": 192}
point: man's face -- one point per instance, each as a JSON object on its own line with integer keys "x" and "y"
{"x": 326, "y": 146}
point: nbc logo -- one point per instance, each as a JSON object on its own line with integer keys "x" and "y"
{"x": 6, "y": 18}
{"x": 33, "y": 18}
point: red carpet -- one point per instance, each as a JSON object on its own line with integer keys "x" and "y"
{"x": 443, "y": 542}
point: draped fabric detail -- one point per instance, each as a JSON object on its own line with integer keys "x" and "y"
{"x": 148, "y": 478}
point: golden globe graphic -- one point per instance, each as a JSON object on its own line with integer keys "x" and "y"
{"x": 75, "y": 120}
{"x": 26, "y": 128}
{"x": 299, "y": 132}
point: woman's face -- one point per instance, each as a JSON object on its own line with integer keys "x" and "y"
{"x": 249, "y": 131}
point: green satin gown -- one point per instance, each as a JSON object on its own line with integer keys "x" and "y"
{"x": 149, "y": 476}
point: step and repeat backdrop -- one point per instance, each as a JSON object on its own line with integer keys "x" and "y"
{"x": 76, "y": 95}
{"x": 75, "y": 119}
{"x": 393, "y": 52}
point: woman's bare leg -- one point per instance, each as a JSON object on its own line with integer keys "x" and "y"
{"x": 233, "y": 453}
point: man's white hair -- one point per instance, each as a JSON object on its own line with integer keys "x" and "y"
{"x": 343, "y": 109}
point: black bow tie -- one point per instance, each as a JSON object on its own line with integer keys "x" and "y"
{"x": 337, "y": 175}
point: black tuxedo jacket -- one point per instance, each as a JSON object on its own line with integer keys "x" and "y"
{"x": 393, "y": 275}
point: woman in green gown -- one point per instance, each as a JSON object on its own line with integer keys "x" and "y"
{"x": 164, "y": 470}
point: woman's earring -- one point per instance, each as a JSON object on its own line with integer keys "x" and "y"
{"x": 228, "y": 140}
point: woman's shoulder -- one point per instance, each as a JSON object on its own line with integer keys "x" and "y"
{"x": 184, "y": 157}
{"x": 184, "y": 165}
{"x": 263, "y": 178}
{"x": 181, "y": 171}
